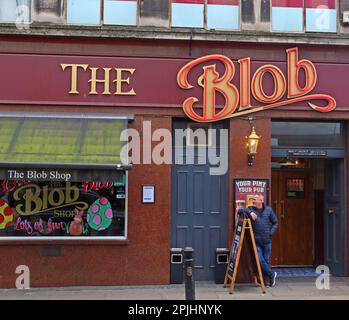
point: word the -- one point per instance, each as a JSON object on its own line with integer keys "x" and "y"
{"x": 118, "y": 81}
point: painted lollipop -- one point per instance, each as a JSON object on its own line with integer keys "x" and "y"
{"x": 100, "y": 214}
{"x": 6, "y": 215}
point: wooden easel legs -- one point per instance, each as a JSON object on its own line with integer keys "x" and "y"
{"x": 232, "y": 277}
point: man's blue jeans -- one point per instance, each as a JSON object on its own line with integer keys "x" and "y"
{"x": 264, "y": 255}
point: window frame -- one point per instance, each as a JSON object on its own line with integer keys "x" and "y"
{"x": 304, "y": 27}
{"x": 79, "y": 238}
{"x": 73, "y": 238}
{"x": 205, "y": 20}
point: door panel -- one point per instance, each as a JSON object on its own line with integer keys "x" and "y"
{"x": 199, "y": 208}
{"x": 293, "y": 243}
{"x": 276, "y": 257}
{"x": 334, "y": 217}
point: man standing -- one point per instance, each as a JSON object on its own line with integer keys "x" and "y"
{"x": 264, "y": 224}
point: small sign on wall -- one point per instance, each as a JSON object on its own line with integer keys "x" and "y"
{"x": 295, "y": 188}
{"x": 148, "y": 194}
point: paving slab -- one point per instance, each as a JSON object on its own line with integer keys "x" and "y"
{"x": 286, "y": 289}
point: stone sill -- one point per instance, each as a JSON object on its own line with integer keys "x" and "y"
{"x": 122, "y": 32}
{"x": 58, "y": 242}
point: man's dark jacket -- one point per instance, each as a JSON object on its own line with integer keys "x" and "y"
{"x": 265, "y": 225}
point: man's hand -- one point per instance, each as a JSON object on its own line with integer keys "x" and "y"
{"x": 253, "y": 216}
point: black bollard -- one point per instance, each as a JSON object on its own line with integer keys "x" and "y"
{"x": 189, "y": 274}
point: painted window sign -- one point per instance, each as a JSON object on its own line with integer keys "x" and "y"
{"x": 288, "y": 15}
{"x": 62, "y": 209}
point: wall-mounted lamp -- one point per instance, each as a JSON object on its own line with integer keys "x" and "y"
{"x": 252, "y": 145}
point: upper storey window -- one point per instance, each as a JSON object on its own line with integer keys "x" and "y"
{"x": 220, "y": 14}
{"x": 223, "y": 14}
{"x": 120, "y": 12}
{"x": 83, "y": 11}
{"x": 15, "y": 11}
{"x": 304, "y": 15}
{"x": 188, "y": 13}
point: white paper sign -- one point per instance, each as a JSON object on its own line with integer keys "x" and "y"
{"x": 148, "y": 194}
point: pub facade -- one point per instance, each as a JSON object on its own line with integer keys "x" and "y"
{"x": 124, "y": 136}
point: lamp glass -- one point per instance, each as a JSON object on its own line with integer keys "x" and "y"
{"x": 252, "y": 142}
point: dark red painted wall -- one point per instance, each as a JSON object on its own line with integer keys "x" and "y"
{"x": 39, "y": 79}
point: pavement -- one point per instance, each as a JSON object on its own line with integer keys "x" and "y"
{"x": 296, "y": 288}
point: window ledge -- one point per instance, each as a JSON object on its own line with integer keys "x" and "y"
{"x": 73, "y": 242}
{"x": 161, "y": 33}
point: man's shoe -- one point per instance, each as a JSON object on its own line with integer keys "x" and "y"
{"x": 272, "y": 279}
{"x": 266, "y": 283}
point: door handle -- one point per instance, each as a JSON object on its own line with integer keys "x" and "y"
{"x": 282, "y": 203}
{"x": 330, "y": 211}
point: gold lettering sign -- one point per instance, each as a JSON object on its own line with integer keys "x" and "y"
{"x": 37, "y": 199}
{"x": 121, "y": 79}
{"x": 287, "y": 90}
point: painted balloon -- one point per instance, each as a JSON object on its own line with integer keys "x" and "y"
{"x": 100, "y": 214}
{"x": 6, "y": 215}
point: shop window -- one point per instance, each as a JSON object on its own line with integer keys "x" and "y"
{"x": 15, "y": 11}
{"x": 120, "y": 12}
{"x": 83, "y": 11}
{"x": 63, "y": 209}
{"x": 307, "y": 134}
{"x": 154, "y": 13}
{"x": 48, "y": 11}
{"x": 188, "y": 13}
{"x": 288, "y": 15}
{"x": 62, "y": 176}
